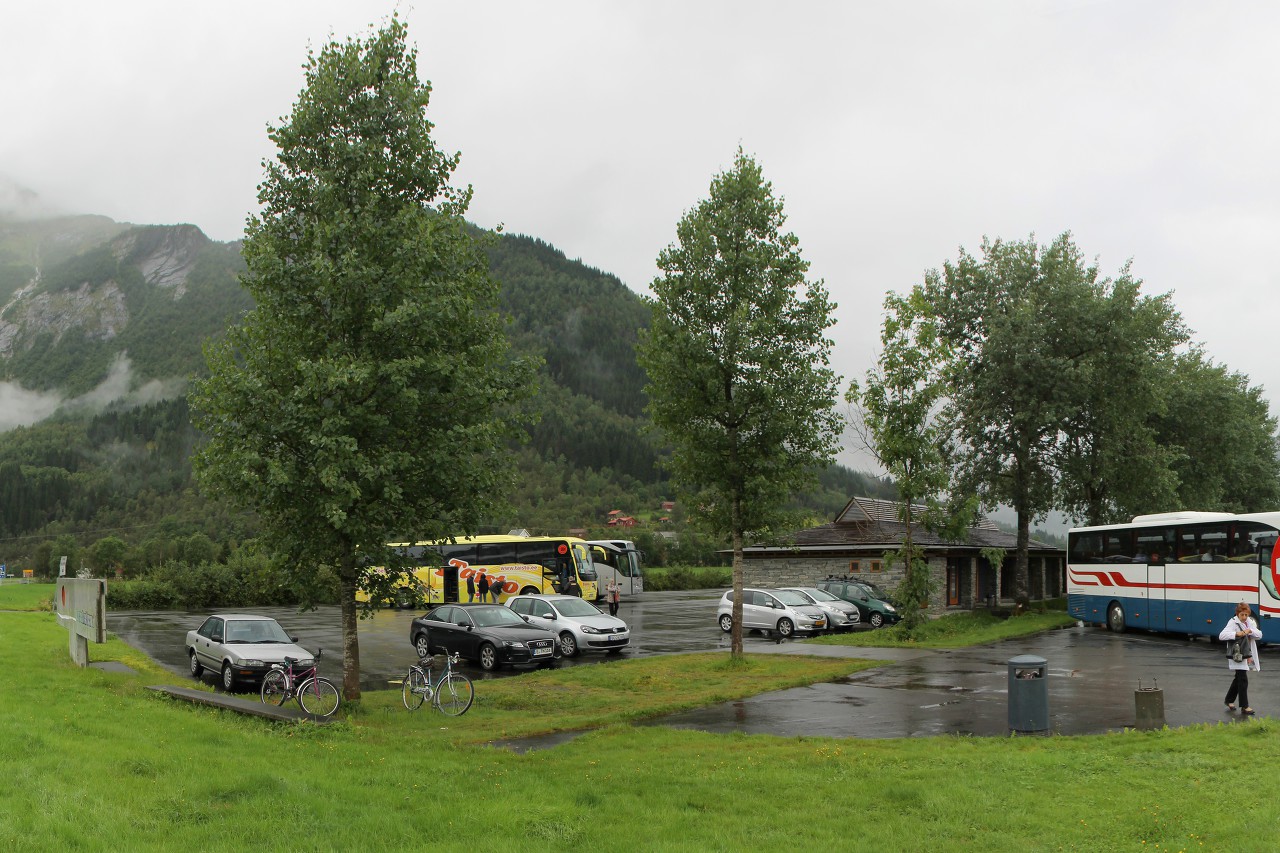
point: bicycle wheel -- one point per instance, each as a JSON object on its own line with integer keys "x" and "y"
{"x": 275, "y": 688}
{"x": 454, "y": 695}
{"x": 415, "y": 688}
{"x": 318, "y": 697}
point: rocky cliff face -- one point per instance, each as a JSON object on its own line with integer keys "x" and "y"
{"x": 96, "y": 307}
{"x": 98, "y": 313}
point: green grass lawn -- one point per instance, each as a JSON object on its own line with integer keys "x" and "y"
{"x": 91, "y": 761}
{"x": 26, "y": 596}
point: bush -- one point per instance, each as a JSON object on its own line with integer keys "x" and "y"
{"x": 142, "y": 595}
{"x": 246, "y": 580}
{"x": 687, "y": 577}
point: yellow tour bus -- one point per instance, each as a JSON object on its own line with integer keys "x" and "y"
{"x": 505, "y": 565}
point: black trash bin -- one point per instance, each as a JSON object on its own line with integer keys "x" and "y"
{"x": 1028, "y": 694}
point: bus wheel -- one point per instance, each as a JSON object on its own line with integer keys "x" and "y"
{"x": 1115, "y": 617}
{"x": 529, "y": 590}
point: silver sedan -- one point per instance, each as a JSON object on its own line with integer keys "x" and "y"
{"x": 241, "y": 647}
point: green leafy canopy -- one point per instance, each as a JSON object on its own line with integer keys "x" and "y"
{"x": 737, "y": 359}
{"x": 370, "y": 393}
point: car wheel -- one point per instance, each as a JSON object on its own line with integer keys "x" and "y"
{"x": 1115, "y": 617}
{"x": 422, "y": 645}
{"x": 196, "y": 668}
{"x": 568, "y": 644}
{"x": 877, "y": 619}
{"x": 228, "y": 677}
{"x": 785, "y": 627}
{"x": 488, "y": 657}
{"x": 726, "y": 623}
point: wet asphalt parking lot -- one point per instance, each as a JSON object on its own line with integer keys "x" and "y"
{"x": 1092, "y": 673}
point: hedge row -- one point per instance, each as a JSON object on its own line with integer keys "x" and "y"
{"x": 246, "y": 581}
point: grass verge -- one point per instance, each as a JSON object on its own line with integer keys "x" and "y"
{"x": 952, "y": 632}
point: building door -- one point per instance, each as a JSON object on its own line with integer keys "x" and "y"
{"x": 953, "y": 583}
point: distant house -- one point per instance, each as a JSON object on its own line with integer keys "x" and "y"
{"x": 667, "y": 506}
{"x": 856, "y": 541}
{"x": 624, "y": 521}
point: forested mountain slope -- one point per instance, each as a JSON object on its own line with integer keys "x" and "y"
{"x": 85, "y": 301}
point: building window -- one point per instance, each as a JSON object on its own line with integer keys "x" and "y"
{"x": 854, "y": 566}
{"x": 875, "y": 565}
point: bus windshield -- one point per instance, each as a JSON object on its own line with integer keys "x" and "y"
{"x": 586, "y": 568}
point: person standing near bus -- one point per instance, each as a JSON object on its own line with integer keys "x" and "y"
{"x": 471, "y": 587}
{"x": 484, "y": 587}
{"x": 1241, "y": 626}
{"x": 614, "y": 594}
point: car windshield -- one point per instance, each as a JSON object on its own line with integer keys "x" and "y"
{"x": 820, "y": 595}
{"x": 808, "y": 597}
{"x": 255, "y": 631}
{"x": 869, "y": 591}
{"x": 494, "y": 617}
{"x": 575, "y": 607}
{"x": 787, "y": 596}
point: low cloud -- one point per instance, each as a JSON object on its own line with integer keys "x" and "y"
{"x": 22, "y": 407}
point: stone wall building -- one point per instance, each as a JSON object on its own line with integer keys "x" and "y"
{"x": 855, "y": 543}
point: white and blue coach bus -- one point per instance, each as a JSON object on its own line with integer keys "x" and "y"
{"x": 1181, "y": 572}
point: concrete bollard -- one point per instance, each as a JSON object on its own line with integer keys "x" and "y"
{"x": 1149, "y": 706}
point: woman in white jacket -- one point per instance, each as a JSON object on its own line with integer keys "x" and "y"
{"x": 1241, "y": 626}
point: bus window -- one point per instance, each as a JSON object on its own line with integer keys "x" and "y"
{"x": 1117, "y": 546}
{"x": 495, "y": 553}
{"x": 1244, "y": 546}
{"x": 537, "y": 553}
{"x": 1154, "y": 546}
{"x": 1203, "y": 543}
{"x": 1085, "y": 547}
{"x": 466, "y": 553}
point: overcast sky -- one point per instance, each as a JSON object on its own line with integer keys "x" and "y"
{"x": 895, "y": 132}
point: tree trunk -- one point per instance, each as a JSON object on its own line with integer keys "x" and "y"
{"x": 350, "y": 637}
{"x": 1021, "y": 573}
{"x": 735, "y": 643}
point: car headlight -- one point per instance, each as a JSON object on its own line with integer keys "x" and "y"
{"x": 252, "y": 662}
{"x": 514, "y": 644}
{"x": 889, "y": 608}
{"x": 587, "y": 629}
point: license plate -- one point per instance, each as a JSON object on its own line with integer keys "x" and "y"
{"x": 537, "y": 652}
{"x": 613, "y": 638}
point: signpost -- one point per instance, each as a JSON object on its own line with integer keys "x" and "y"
{"x": 81, "y": 605}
